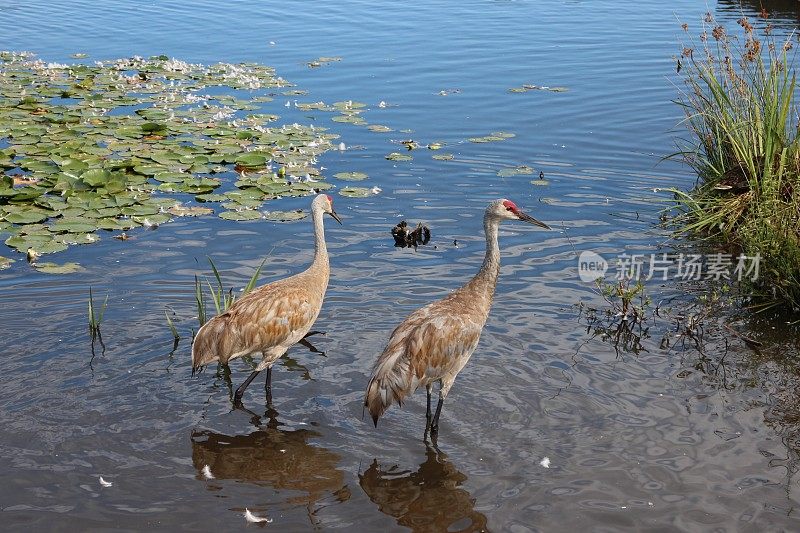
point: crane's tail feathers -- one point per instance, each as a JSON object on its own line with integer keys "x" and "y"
{"x": 390, "y": 383}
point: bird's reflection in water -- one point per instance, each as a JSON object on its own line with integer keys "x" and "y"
{"x": 430, "y": 499}
{"x": 274, "y": 457}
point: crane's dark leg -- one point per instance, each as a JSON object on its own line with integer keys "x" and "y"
{"x": 310, "y": 346}
{"x": 237, "y": 397}
{"x": 428, "y": 413}
{"x": 268, "y": 386}
{"x": 435, "y": 424}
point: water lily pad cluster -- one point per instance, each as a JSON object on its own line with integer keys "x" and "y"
{"x": 529, "y": 87}
{"x": 118, "y": 144}
{"x": 495, "y": 136}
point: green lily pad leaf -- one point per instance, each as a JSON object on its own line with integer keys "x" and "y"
{"x": 485, "y": 139}
{"x": 26, "y": 217}
{"x": 351, "y": 176}
{"x": 171, "y": 177}
{"x": 443, "y": 157}
{"x": 397, "y": 156}
{"x": 152, "y": 220}
{"x": 379, "y": 128}
{"x": 285, "y": 216}
{"x": 148, "y": 170}
{"x": 248, "y": 214}
{"x": 95, "y": 177}
{"x": 50, "y": 247}
{"x": 73, "y": 226}
{"x": 193, "y": 211}
{"x": 355, "y": 192}
{"x": 252, "y": 160}
{"x": 77, "y": 238}
{"x": 503, "y": 134}
{"x": 349, "y": 119}
{"x": 435, "y": 146}
{"x": 211, "y": 197}
{"x": 139, "y": 210}
{"x": 53, "y": 268}
{"x": 5, "y": 262}
{"x": 515, "y": 171}
{"x": 540, "y": 182}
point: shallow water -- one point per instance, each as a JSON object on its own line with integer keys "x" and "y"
{"x": 663, "y": 439}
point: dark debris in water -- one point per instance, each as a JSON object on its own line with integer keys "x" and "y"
{"x": 404, "y": 237}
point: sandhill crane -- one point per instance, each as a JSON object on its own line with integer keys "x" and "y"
{"x": 435, "y": 342}
{"x": 271, "y": 318}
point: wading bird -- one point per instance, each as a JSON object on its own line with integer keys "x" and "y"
{"x": 435, "y": 342}
{"x": 271, "y": 318}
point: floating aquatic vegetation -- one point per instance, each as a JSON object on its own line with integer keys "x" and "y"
{"x": 355, "y": 192}
{"x": 443, "y": 157}
{"x": 493, "y": 137}
{"x": 528, "y": 87}
{"x": 379, "y": 128}
{"x": 397, "y": 156}
{"x": 322, "y": 61}
{"x": 285, "y": 216}
{"x": 5, "y": 262}
{"x": 53, "y": 268}
{"x": 435, "y": 146}
{"x": 351, "y": 176}
{"x": 515, "y": 171}
{"x": 93, "y": 147}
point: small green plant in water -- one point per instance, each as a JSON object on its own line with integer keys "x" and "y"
{"x": 221, "y": 297}
{"x": 627, "y": 302}
{"x": 95, "y": 316}
{"x": 744, "y": 145}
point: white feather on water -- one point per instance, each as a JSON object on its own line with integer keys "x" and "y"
{"x": 250, "y": 517}
{"x": 206, "y": 471}
{"x": 545, "y": 462}
{"x": 105, "y": 483}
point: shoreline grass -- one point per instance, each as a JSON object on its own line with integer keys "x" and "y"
{"x": 742, "y": 120}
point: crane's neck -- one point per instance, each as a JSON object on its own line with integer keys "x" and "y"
{"x": 485, "y": 280}
{"x": 320, "y": 250}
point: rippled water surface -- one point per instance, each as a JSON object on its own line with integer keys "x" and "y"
{"x": 659, "y": 440}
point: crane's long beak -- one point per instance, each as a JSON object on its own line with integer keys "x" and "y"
{"x": 335, "y": 216}
{"x": 525, "y": 217}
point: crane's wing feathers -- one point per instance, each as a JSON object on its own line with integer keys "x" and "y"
{"x": 272, "y": 317}
{"x": 432, "y": 343}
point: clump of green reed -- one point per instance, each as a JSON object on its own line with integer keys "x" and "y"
{"x": 221, "y": 297}
{"x": 95, "y": 315}
{"x": 743, "y": 124}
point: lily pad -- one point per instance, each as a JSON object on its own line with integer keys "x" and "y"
{"x": 443, "y": 157}
{"x": 5, "y": 262}
{"x": 397, "y": 156}
{"x": 53, "y": 268}
{"x": 285, "y": 216}
{"x": 355, "y": 192}
{"x": 515, "y": 171}
{"x": 193, "y": 211}
{"x": 247, "y": 214}
{"x": 351, "y": 176}
{"x": 251, "y": 160}
{"x": 26, "y": 217}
